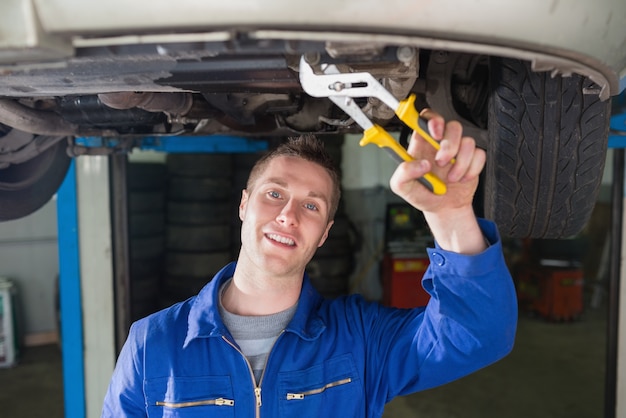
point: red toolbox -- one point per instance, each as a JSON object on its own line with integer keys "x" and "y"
{"x": 554, "y": 293}
{"x": 402, "y": 281}
{"x": 405, "y": 260}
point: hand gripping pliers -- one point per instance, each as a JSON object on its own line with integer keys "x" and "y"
{"x": 341, "y": 88}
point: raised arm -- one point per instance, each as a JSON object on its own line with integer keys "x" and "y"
{"x": 450, "y": 216}
{"x": 471, "y": 318}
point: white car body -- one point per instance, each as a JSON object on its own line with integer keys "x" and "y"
{"x": 530, "y": 80}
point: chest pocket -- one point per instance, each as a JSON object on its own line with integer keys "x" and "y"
{"x": 318, "y": 391}
{"x": 190, "y": 397}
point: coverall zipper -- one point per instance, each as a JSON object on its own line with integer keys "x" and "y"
{"x": 217, "y": 402}
{"x": 301, "y": 395}
{"x": 257, "y": 388}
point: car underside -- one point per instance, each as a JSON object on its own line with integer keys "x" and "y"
{"x": 545, "y": 132}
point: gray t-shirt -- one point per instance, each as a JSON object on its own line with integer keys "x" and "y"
{"x": 255, "y": 335}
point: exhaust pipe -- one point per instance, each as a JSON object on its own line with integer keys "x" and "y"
{"x": 172, "y": 103}
{"x": 34, "y": 121}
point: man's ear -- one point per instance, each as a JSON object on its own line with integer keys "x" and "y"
{"x": 323, "y": 239}
{"x": 243, "y": 204}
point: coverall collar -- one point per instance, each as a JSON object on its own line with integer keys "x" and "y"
{"x": 204, "y": 319}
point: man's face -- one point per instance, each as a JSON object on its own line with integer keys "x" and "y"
{"x": 285, "y": 216}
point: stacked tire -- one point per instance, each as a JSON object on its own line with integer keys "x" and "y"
{"x": 242, "y": 165}
{"x": 333, "y": 263}
{"x": 146, "y": 185}
{"x": 198, "y": 227}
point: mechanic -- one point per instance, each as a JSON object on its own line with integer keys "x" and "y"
{"x": 258, "y": 340}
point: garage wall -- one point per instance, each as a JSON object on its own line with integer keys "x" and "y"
{"x": 29, "y": 254}
{"x": 29, "y": 257}
{"x": 366, "y": 172}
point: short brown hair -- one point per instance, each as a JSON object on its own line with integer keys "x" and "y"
{"x": 307, "y": 147}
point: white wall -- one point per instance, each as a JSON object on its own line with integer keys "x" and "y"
{"x": 29, "y": 257}
{"x": 365, "y": 167}
{"x": 366, "y": 172}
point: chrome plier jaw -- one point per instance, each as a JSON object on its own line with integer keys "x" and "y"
{"x": 342, "y": 88}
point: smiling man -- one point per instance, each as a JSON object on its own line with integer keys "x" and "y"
{"x": 286, "y": 214}
{"x": 258, "y": 340}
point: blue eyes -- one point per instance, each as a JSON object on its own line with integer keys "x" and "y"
{"x": 276, "y": 195}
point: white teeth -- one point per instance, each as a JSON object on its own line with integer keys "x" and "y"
{"x": 280, "y": 239}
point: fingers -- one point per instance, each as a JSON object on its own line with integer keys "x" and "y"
{"x": 468, "y": 159}
{"x": 436, "y": 128}
{"x": 403, "y": 179}
{"x": 450, "y": 143}
{"x": 436, "y": 123}
{"x": 447, "y": 134}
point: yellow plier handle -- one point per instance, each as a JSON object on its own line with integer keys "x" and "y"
{"x": 379, "y": 136}
{"x": 408, "y": 114}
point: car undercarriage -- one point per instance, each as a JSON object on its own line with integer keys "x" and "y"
{"x": 250, "y": 87}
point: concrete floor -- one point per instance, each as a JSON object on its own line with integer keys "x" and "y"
{"x": 33, "y": 388}
{"x": 555, "y": 370}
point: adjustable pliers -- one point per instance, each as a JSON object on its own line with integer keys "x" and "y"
{"x": 341, "y": 88}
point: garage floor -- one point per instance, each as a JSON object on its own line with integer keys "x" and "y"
{"x": 33, "y": 388}
{"x": 556, "y": 370}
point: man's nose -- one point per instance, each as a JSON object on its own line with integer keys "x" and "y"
{"x": 289, "y": 214}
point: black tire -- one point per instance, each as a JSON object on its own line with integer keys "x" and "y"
{"x": 333, "y": 263}
{"x": 198, "y": 238}
{"x": 145, "y": 288}
{"x": 200, "y": 165}
{"x": 28, "y": 186}
{"x": 178, "y": 288}
{"x": 243, "y": 164}
{"x": 145, "y": 299}
{"x": 548, "y": 140}
{"x": 199, "y": 213}
{"x": 195, "y": 264}
{"x": 147, "y": 247}
{"x": 246, "y": 160}
{"x": 143, "y": 202}
{"x": 146, "y": 266}
{"x": 146, "y": 176}
{"x": 189, "y": 189}
{"x": 146, "y": 184}
{"x": 146, "y": 224}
